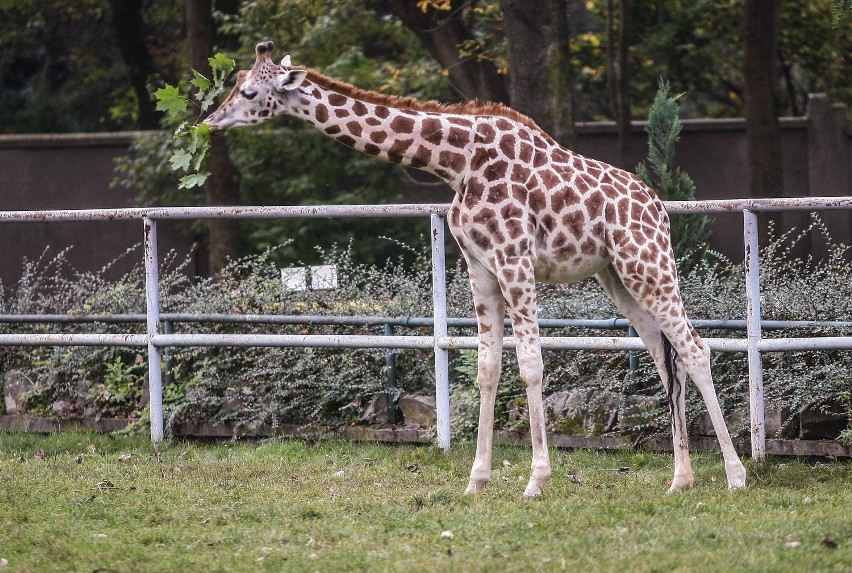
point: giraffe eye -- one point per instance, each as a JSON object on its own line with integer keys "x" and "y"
{"x": 248, "y": 95}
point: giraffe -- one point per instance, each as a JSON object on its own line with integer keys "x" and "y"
{"x": 525, "y": 210}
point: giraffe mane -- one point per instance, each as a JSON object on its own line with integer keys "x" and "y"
{"x": 474, "y": 107}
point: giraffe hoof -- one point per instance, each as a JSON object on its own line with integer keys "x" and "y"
{"x": 475, "y": 486}
{"x": 680, "y": 484}
{"x": 533, "y": 490}
{"x": 736, "y": 476}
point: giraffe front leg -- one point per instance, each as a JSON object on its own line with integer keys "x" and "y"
{"x": 521, "y": 300}
{"x": 490, "y": 308}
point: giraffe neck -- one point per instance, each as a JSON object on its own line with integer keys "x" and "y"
{"x": 429, "y": 140}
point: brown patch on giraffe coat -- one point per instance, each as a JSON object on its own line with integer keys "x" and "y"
{"x": 520, "y": 193}
{"x": 372, "y": 121}
{"x": 337, "y": 100}
{"x": 514, "y": 227}
{"x": 480, "y": 239}
{"x": 575, "y": 221}
{"x": 452, "y": 160}
{"x": 378, "y": 136}
{"x": 422, "y": 156}
{"x": 397, "y": 150}
{"x": 549, "y": 178}
{"x": 354, "y": 128}
{"x": 371, "y": 149}
{"x": 341, "y": 112}
{"x": 333, "y": 129}
{"x": 402, "y": 125}
{"x": 520, "y": 174}
{"x": 485, "y": 133}
{"x": 507, "y": 145}
{"x": 346, "y": 140}
{"x": 432, "y": 131}
{"x": 497, "y": 194}
{"x": 595, "y": 204}
{"x": 382, "y": 112}
{"x": 526, "y": 152}
{"x": 321, "y": 113}
{"x": 457, "y": 137}
{"x": 496, "y": 170}
{"x": 511, "y": 211}
{"x": 359, "y": 109}
{"x": 537, "y": 200}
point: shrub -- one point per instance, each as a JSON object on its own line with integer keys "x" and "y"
{"x": 333, "y": 386}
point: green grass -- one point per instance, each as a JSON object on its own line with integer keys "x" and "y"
{"x": 340, "y": 506}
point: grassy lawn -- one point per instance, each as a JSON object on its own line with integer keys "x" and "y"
{"x": 88, "y": 502}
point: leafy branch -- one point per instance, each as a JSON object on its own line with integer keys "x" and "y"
{"x": 193, "y": 136}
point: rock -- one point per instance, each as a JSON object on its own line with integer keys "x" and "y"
{"x": 15, "y": 383}
{"x": 638, "y": 411}
{"x": 822, "y": 423}
{"x": 586, "y": 411}
{"x": 377, "y": 411}
{"x": 63, "y": 408}
{"x": 418, "y": 410}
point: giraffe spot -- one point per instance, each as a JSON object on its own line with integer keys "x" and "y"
{"x": 346, "y": 140}
{"x": 454, "y": 217}
{"x": 515, "y": 296}
{"x": 397, "y": 150}
{"x": 595, "y": 205}
{"x": 359, "y": 109}
{"x": 583, "y": 183}
{"x": 460, "y": 121}
{"x": 354, "y": 128}
{"x": 421, "y": 158}
{"x": 504, "y": 124}
{"x": 457, "y": 137}
{"x": 371, "y": 149}
{"x": 560, "y": 240}
{"x": 402, "y": 124}
{"x": 594, "y": 169}
{"x": 575, "y": 221}
{"x": 520, "y": 194}
{"x": 315, "y": 93}
{"x": 481, "y": 310}
{"x": 520, "y": 173}
{"x": 559, "y": 155}
{"x": 337, "y": 100}
{"x": 566, "y": 251}
{"x": 507, "y": 145}
{"x": 341, "y": 112}
{"x": 549, "y": 178}
{"x": 540, "y": 158}
{"x": 321, "y": 113}
{"x": 480, "y": 239}
{"x": 473, "y": 193}
{"x": 497, "y": 194}
{"x": 452, "y": 160}
{"x": 548, "y": 222}
{"x": 515, "y": 228}
{"x": 496, "y": 170}
{"x": 378, "y": 136}
{"x": 537, "y": 200}
{"x": 526, "y": 152}
{"x": 333, "y": 129}
{"x": 480, "y": 156}
{"x": 610, "y": 191}
{"x": 589, "y": 246}
{"x": 485, "y": 133}
{"x": 511, "y": 210}
{"x": 431, "y": 130}
{"x": 382, "y": 112}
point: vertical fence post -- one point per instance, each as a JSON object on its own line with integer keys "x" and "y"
{"x": 439, "y": 305}
{"x": 753, "y": 335}
{"x": 152, "y": 302}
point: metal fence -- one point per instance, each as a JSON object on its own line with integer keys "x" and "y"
{"x": 440, "y": 342}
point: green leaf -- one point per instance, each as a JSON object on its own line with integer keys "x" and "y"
{"x": 199, "y": 81}
{"x": 170, "y": 100}
{"x": 221, "y": 65}
{"x": 194, "y": 180}
{"x": 180, "y": 160}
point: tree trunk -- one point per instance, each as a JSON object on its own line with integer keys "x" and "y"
{"x": 762, "y": 29}
{"x": 624, "y": 115}
{"x": 470, "y": 78}
{"x": 540, "y": 64}
{"x": 129, "y": 30}
{"x": 223, "y": 185}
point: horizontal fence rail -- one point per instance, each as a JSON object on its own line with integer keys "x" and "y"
{"x": 440, "y": 342}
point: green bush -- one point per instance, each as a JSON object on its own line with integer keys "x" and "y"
{"x": 334, "y": 386}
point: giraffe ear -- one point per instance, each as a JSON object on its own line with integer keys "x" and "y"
{"x": 289, "y": 80}
{"x": 285, "y": 61}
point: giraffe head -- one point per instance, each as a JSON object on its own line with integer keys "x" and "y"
{"x": 261, "y": 93}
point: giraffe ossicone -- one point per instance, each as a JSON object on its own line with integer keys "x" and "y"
{"x": 525, "y": 210}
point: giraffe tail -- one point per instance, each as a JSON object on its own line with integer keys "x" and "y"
{"x": 673, "y": 386}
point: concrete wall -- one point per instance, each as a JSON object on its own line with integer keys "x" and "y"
{"x": 74, "y": 172}
{"x": 41, "y": 172}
